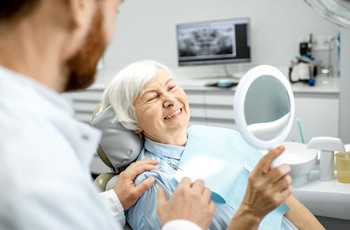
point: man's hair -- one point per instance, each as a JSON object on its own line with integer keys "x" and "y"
{"x": 12, "y": 10}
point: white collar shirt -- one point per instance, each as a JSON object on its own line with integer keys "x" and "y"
{"x": 45, "y": 155}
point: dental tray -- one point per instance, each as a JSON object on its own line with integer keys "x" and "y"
{"x": 222, "y": 84}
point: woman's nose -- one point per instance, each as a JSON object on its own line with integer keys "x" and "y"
{"x": 169, "y": 100}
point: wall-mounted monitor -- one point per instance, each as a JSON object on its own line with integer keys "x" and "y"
{"x": 214, "y": 42}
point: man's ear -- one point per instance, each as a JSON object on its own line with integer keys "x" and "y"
{"x": 82, "y": 11}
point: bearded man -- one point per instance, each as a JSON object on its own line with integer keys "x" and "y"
{"x": 48, "y": 47}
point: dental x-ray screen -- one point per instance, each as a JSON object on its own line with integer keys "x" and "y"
{"x": 214, "y": 42}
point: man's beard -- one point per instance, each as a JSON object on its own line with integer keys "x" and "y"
{"x": 81, "y": 68}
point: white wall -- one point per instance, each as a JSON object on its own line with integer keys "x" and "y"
{"x": 146, "y": 29}
{"x": 344, "y": 87}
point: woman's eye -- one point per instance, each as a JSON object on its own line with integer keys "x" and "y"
{"x": 171, "y": 87}
{"x": 152, "y": 98}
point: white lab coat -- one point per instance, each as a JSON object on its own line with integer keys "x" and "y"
{"x": 45, "y": 157}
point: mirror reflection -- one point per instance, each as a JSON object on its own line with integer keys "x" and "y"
{"x": 267, "y": 107}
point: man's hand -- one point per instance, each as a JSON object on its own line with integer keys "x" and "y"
{"x": 125, "y": 188}
{"x": 190, "y": 201}
{"x": 267, "y": 189}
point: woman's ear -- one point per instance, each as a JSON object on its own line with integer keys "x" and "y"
{"x": 139, "y": 131}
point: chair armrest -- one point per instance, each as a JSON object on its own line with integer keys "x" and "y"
{"x": 102, "y": 180}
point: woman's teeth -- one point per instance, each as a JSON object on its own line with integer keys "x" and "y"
{"x": 173, "y": 114}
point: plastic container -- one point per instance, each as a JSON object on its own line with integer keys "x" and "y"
{"x": 343, "y": 167}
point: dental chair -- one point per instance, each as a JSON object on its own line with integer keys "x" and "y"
{"x": 118, "y": 148}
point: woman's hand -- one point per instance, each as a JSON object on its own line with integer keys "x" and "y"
{"x": 190, "y": 201}
{"x": 267, "y": 188}
{"x": 125, "y": 187}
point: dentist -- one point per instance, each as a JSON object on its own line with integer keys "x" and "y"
{"x": 48, "y": 47}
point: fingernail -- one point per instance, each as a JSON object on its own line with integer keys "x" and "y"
{"x": 265, "y": 170}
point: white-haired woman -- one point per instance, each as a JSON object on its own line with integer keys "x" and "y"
{"x": 147, "y": 100}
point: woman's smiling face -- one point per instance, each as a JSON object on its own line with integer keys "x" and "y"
{"x": 162, "y": 109}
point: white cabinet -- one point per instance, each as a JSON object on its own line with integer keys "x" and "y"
{"x": 316, "y": 107}
{"x": 85, "y": 101}
{"x": 318, "y": 114}
{"x": 210, "y": 106}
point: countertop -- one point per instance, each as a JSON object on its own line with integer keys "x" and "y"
{"x": 327, "y": 85}
{"x": 324, "y": 85}
{"x": 325, "y": 198}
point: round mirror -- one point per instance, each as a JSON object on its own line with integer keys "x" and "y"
{"x": 264, "y": 107}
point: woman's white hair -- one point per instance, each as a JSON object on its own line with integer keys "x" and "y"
{"x": 126, "y": 86}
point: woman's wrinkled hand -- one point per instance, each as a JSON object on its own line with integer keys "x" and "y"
{"x": 267, "y": 189}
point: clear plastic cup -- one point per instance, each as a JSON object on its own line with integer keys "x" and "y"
{"x": 343, "y": 166}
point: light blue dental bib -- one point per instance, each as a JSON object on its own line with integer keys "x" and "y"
{"x": 225, "y": 160}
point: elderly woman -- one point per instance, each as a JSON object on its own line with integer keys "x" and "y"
{"x": 147, "y": 100}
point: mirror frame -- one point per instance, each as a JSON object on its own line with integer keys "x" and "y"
{"x": 239, "y": 102}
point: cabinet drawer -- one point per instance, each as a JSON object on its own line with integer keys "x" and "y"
{"x": 84, "y": 106}
{"x": 219, "y": 98}
{"x": 197, "y": 111}
{"x": 220, "y": 112}
{"x": 198, "y": 121}
{"x": 86, "y": 95}
{"x": 195, "y": 97}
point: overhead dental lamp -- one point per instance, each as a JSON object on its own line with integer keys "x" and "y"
{"x": 336, "y": 11}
